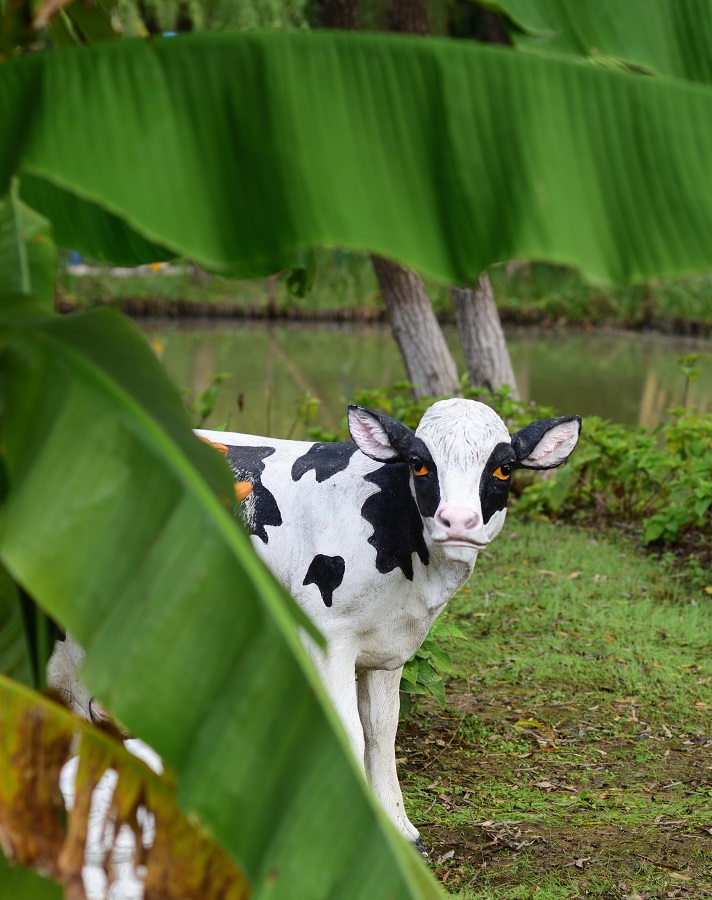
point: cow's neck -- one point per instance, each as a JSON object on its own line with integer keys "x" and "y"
{"x": 443, "y": 578}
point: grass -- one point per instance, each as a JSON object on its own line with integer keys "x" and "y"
{"x": 574, "y": 758}
{"x": 526, "y": 294}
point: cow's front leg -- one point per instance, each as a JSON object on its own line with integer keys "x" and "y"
{"x": 337, "y": 670}
{"x": 378, "y": 706}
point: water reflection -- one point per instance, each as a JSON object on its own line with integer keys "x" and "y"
{"x": 625, "y": 377}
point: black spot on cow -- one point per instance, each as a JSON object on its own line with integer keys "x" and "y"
{"x": 327, "y": 573}
{"x": 397, "y": 525}
{"x": 325, "y": 459}
{"x": 260, "y": 508}
{"x": 494, "y": 488}
{"x": 427, "y": 485}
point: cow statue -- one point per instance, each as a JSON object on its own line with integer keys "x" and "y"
{"x": 373, "y": 536}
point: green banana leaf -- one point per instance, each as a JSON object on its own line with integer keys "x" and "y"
{"x": 101, "y": 235}
{"x": 664, "y": 37}
{"x": 28, "y": 257}
{"x": 114, "y": 520}
{"x": 20, "y": 883}
{"x": 240, "y": 150}
{"x": 15, "y": 658}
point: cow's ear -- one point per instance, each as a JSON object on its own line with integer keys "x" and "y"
{"x": 546, "y": 443}
{"x": 380, "y": 437}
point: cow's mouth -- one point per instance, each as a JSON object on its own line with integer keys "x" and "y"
{"x": 460, "y": 542}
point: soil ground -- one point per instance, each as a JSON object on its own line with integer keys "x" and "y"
{"x": 568, "y": 763}
{"x": 622, "y": 827}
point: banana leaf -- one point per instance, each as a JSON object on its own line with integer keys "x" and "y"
{"x": 241, "y": 150}
{"x": 114, "y": 520}
{"x": 663, "y": 37}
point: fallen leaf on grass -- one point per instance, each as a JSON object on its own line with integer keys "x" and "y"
{"x": 449, "y": 855}
{"x": 579, "y": 863}
{"x": 554, "y": 786}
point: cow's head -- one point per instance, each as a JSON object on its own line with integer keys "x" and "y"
{"x": 461, "y": 459}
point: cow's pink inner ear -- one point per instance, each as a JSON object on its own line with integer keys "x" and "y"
{"x": 554, "y": 448}
{"x": 369, "y": 435}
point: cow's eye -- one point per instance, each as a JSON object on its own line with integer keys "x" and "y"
{"x": 419, "y": 468}
{"x": 502, "y": 472}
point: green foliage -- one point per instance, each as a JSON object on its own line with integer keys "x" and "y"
{"x": 201, "y": 406}
{"x": 307, "y": 411}
{"x": 157, "y": 16}
{"x": 397, "y": 400}
{"x": 15, "y": 657}
{"x": 28, "y": 256}
{"x": 661, "y": 480}
{"x": 112, "y": 515}
{"x": 662, "y": 37}
{"x": 19, "y": 883}
{"x": 423, "y": 673}
{"x": 529, "y": 294}
{"x": 538, "y": 293}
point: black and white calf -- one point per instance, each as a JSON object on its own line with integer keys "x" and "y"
{"x": 373, "y": 537}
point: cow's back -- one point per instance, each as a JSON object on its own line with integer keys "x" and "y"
{"x": 306, "y": 502}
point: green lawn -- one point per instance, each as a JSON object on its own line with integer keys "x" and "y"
{"x": 574, "y": 758}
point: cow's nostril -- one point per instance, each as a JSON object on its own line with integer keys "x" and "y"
{"x": 457, "y": 519}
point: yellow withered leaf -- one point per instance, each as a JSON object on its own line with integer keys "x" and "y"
{"x": 36, "y": 734}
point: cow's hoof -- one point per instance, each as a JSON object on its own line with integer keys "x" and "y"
{"x": 420, "y": 847}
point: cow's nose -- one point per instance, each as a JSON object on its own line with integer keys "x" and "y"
{"x": 457, "y": 519}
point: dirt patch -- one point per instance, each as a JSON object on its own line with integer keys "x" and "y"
{"x": 522, "y": 791}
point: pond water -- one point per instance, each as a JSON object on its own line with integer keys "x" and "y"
{"x": 630, "y": 378}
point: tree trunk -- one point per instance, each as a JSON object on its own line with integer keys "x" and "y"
{"x": 341, "y": 14}
{"x": 483, "y": 342}
{"x": 407, "y": 16}
{"x": 427, "y": 358}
